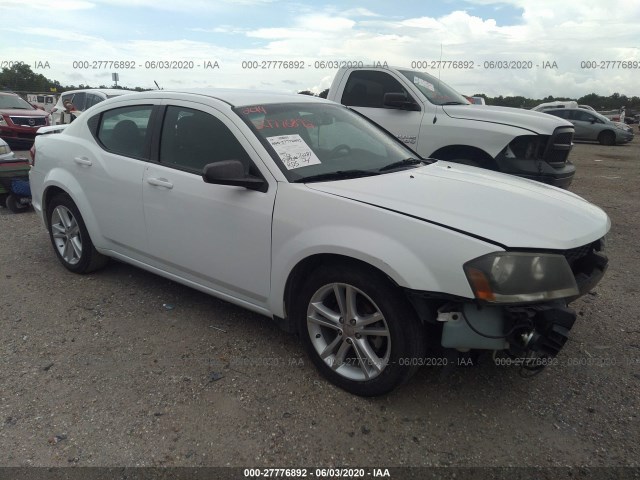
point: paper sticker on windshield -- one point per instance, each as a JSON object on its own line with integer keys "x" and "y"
{"x": 423, "y": 83}
{"x": 293, "y": 151}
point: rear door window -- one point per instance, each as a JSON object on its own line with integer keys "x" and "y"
{"x": 125, "y": 130}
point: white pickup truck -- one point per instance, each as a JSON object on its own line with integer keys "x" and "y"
{"x": 438, "y": 122}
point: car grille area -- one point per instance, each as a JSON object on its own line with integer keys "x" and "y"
{"x": 29, "y": 121}
{"x": 588, "y": 264}
{"x": 559, "y": 146}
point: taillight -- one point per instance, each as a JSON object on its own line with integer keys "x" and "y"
{"x": 32, "y": 152}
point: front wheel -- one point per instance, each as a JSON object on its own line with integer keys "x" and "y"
{"x": 70, "y": 237}
{"x": 358, "y": 329}
{"x": 607, "y": 138}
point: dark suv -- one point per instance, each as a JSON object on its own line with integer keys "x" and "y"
{"x": 19, "y": 120}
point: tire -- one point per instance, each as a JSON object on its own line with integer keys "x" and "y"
{"x": 342, "y": 348}
{"x": 69, "y": 237}
{"x": 607, "y": 138}
{"x": 14, "y": 206}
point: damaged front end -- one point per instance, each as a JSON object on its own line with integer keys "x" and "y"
{"x": 521, "y": 306}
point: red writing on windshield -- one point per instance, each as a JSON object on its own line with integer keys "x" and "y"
{"x": 289, "y": 123}
{"x": 254, "y": 109}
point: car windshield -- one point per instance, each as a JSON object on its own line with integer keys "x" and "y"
{"x": 600, "y": 117}
{"x": 319, "y": 141}
{"x": 435, "y": 90}
{"x": 14, "y": 102}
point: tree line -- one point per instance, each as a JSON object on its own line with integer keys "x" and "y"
{"x": 20, "y": 78}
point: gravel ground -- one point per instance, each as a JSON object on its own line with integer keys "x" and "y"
{"x": 124, "y": 368}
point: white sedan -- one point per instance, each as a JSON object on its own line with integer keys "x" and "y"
{"x": 304, "y": 211}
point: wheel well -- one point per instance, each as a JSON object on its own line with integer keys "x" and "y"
{"x": 453, "y": 152}
{"x": 306, "y": 266}
{"x": 48, "y": 195}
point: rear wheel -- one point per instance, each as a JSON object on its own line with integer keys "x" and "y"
{"x": 358, "y": 329}
{"x": 70, "y": 238}
{"x": 607, "y": 138}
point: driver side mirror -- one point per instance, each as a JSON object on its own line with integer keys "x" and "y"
{"x": 400, "y": 101}
{"x": 231, "y": 172}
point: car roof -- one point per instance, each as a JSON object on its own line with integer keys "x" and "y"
{"x": 106, "y": 91}
{"x": 234, "y": 97}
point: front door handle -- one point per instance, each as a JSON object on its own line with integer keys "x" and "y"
{"x": 82, "y": 161}
{"x": 160, "y": 182}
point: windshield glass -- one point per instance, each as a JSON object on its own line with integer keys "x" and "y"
{"x": 600, "y": 117}
{"x": 320, "y": 140}
{"x": 14, "y": 102}
{"x": 436, "y": 91}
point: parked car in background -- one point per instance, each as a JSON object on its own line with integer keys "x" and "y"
{"x": 593, "y": 126}
{"x": 436, "y": 121}
{"x": 19, "y": 120}
{"x": 561, "y": 104}
{"x": 309, "y": 213}
{"x": 5, "y": 151}
{"x": 81, "y": 100}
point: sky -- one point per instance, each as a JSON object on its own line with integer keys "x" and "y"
{"x": 562, "y": 48}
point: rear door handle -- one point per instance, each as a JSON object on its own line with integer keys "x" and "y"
{"x": 82, "y": 161}
{"x": 160, "y": 182}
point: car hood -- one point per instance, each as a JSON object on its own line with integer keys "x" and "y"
{"x": 540, "y": 123}
{"x": 509, "y": 211}
{"x": 17, "y": 112}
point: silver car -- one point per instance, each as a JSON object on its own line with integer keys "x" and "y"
{"x": 592, "y": 126}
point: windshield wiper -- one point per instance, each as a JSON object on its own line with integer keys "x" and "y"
{"x": 339, "y": 175}
{"x": 453, "y": 103}
{"x": 407, "y": 162}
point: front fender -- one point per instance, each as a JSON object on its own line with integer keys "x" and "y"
{"x": 413, "y": 253}
{"x": 490, "y": 137}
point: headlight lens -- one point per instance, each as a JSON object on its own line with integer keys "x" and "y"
{"x": 517, "y": 277}
{"x": 3, "y": 122}
{"x": 4, "y": 149}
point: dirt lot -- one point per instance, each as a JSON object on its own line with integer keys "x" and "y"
{"x": 124, "y": 368}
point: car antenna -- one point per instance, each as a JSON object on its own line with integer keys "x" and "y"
{"x": 435, "y": 115}
{"x": 157, "y": 85}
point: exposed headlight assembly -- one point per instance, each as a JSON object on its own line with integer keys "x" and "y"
{"x": 518, "y": 277}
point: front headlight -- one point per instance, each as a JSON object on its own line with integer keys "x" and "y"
{"x": 3, "y": 122}
{"x": 517, "y": 277}
{"x": 4, "y": 149}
